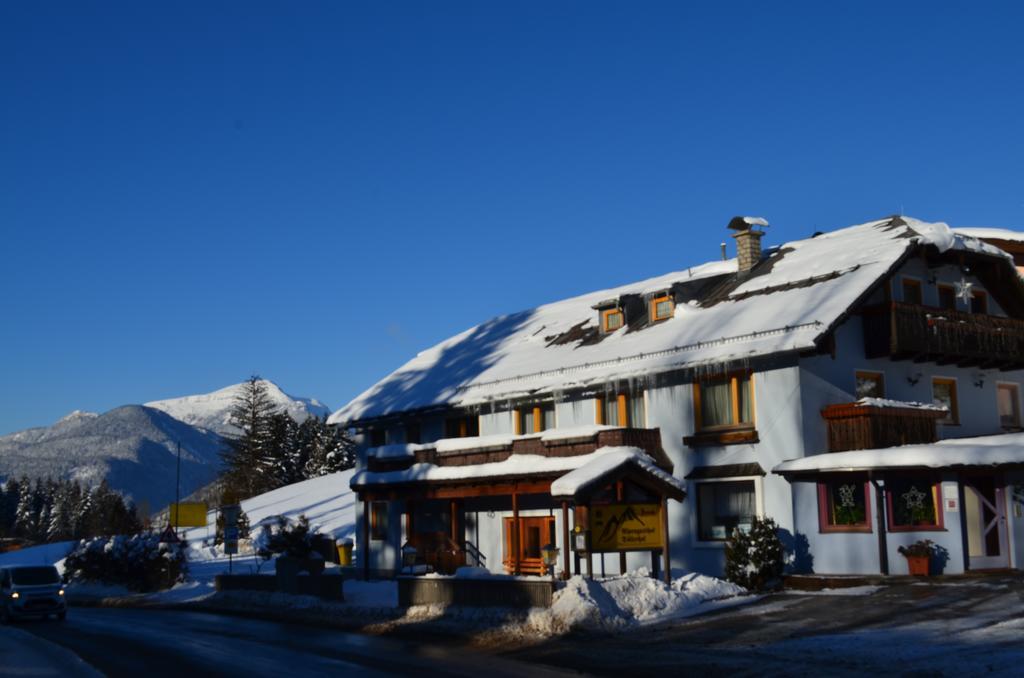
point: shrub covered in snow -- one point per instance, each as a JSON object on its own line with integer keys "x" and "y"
{"x": 280, "y": 537}
{"x": 138, "y": 562}
{"x": 754, "y": 559}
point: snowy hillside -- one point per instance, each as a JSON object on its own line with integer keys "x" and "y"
{"x": 132, "y": 447}
{"x": 211, "y": 411}
{"x": 327, "y": 501}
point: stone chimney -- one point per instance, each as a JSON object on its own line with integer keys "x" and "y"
{"x": 748, "y": 240}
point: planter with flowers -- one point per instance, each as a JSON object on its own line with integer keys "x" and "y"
{"x": 919, "y": 556}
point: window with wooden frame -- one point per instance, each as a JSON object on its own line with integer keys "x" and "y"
{"x": 378, "y": 520}
{"x": 661, "y": 308}
{"x": 612, "y": 319}
{"x": 844, "y": 505}
{"x": 412, "y": 432}
{"x": 462, "y": 427}
{"x": 913, "y": 504}
{"x": 947, "y": 297}
{"x": 1008, "y": 402}
{"x": 533, "y": 418}
{"x": 725, "y": 402}
{"x": 979, "y": 301}
{"x": 912, "y": 291}
{"x": 944, "y": 393}
{"x": 723, "y": 507}
{"x": 869, "y": 384}
{"x": 378, "y": 437}
{"x": 623, "y": 409}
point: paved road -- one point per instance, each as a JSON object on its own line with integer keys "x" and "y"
{"x": 125, "y": 642}
{"x": 959, "y": 628}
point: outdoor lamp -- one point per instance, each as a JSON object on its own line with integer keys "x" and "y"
{"x": 549, "y": 554}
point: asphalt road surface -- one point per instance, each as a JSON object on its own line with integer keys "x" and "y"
{"x": 132, "y": 642}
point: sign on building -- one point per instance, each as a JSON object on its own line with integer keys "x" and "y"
{"x": 190, "y": 514}
{"x": 625, "y": 527}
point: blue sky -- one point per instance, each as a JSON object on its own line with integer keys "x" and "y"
{"x": 193, "y": 193}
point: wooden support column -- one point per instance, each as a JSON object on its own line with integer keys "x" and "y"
{"x": 408, "y": 520}
{"x": 565, "y": 540}
{"x": 590, "y": 546}
{"x": 665, "y": 550}
{"x": 454, "y": 510}
{"x": 880, "y": 517}
{"x": 366, "y": 540}
{"x": 515, "y": 532}
{"x": 618, "y": 498}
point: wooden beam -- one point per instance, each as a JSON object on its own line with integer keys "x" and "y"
{"x": 515, "y": 533}
{"x": 366, "y": 540}
{"x": 565, "y": 540}
{"x": 665, "y": 542}
{"x": 622, "y": 554}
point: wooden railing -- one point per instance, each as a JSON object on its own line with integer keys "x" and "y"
{"x": 907, "y": 331}
{"x": 858, "y": 427}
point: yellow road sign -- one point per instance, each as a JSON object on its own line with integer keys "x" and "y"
{"x": 188, "y": 514}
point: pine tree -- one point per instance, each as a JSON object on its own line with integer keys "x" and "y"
{"x": 247, "y": 469}
{"x": 25, "y": 513}
{"x": 283, "y": 455}
{"x": 82, "y": 520}
{"x": 331, "y": 449}
{"x": 60, "y": 525}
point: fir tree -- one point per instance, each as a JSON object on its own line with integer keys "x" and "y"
{"x": 283, "y": 455}
{"x": 246, "y": 457}
{"x": 330, "y": 449}
{"x": 25, "y": 515}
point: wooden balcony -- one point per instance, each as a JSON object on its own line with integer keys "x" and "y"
{"x": 925, "y": 334}
{"x": 863, "y": 427}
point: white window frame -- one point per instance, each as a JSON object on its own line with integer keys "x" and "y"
{"x": 695, "y": 525}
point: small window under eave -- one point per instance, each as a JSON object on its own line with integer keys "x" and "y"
{"x": 662, "y": 308}
{"x": 612, "y": 319}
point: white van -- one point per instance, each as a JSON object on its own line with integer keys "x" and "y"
{"x": 31, "y": 591}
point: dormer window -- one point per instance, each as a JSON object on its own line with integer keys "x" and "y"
{"x": 612, "y": 319}
{"x": 661, "y": 308}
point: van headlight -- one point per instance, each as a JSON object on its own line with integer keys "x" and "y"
{"x": 61, "y": 592}
{"x": 15, "y": 595}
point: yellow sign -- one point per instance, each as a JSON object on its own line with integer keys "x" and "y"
{"x": 192, "y": 514}
{"x": 625, "y": 527}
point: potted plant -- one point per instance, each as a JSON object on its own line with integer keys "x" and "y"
{"x": 919, "y": 555}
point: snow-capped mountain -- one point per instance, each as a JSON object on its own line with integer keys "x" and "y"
{"x": 211, "y": 411}
{"x": 133, "y": 447}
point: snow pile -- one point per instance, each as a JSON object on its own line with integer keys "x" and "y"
{"x": 902, "y": 404}
{"x": 629, "y": 600}
{"x": 992, "y": 233}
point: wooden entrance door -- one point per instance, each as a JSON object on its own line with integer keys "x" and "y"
{"x": 534, "y": 534}
{"x": 985, "y": 516}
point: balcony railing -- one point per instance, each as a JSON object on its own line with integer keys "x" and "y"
{"x": 854, "y": 426}
{"x": 907, "y": 331}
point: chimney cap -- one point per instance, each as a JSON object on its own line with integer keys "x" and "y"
{"x": 746, "y": 223}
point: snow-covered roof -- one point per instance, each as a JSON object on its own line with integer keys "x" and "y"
{"x": 613, "y": 460}
{"x": 787, "y": 303}
{"x": 994, "y": 450}
{"x": 991, "y": 233}
{"x": 517, "y": 465}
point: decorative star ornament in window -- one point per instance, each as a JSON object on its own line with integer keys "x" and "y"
{"x": 914, "y": 498}
{"x": 963, "y": 289}
{"x": 846, "y": 496}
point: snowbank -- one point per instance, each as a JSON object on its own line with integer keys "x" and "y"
{"x": 44, "y": 554}
{"x": 630, "y": 600}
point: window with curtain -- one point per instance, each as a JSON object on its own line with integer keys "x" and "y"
{"x": 944, "y": 393}
{"x": 1008, "y": 398}
{"x": 535, "y": 418}
{"x": 611, "y": 408}
{"x": 724, "y": 402}
{"x": 870, "y": 384}
{"x": 724, "y": 507}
